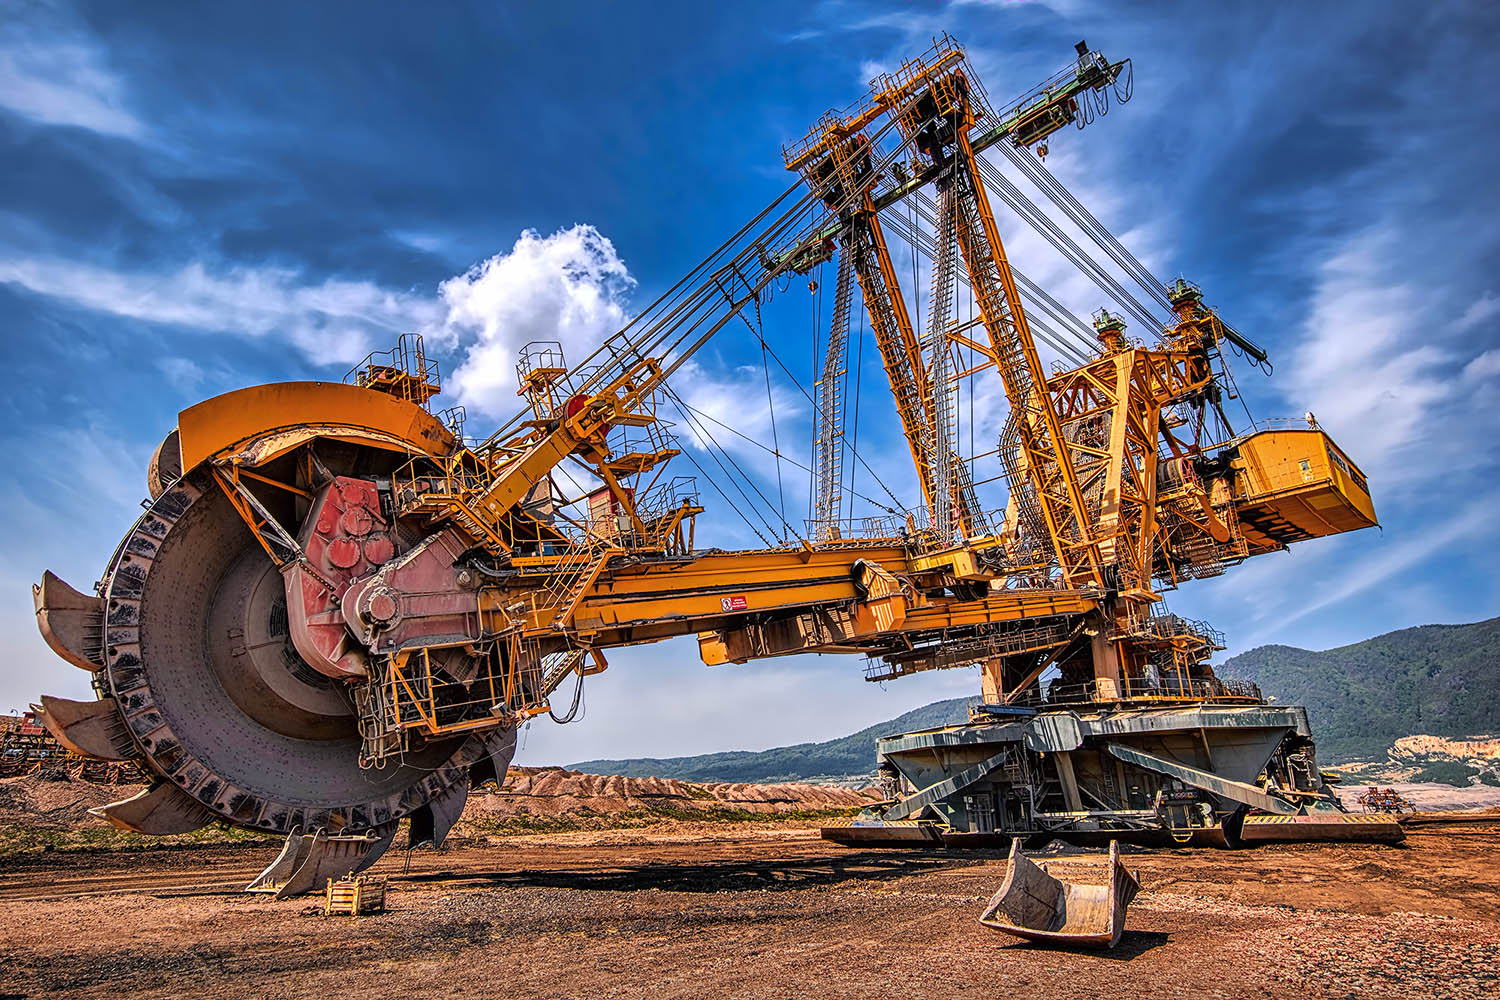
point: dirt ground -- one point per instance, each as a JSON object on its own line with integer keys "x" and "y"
{"x": 755, "y": 911}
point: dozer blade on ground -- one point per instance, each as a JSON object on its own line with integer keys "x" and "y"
{"x": 1031, "y": 904}
{"x": 1323, "y": 825}
{"x": 892, "y": 833}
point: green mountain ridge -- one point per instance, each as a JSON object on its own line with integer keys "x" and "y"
{"x": 847, "y": 756}
{"x": 1435, "y": 679}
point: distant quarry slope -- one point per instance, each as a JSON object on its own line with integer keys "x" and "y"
{"x": 1440, "y": 680}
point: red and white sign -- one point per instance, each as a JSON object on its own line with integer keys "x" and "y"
{"x": 735, "y": 603}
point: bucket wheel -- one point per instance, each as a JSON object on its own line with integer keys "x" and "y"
{"x": 199, "y": 683}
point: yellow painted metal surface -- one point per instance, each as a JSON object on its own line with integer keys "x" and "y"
{"x": 731, "y": 583}
{"x": 1298, "y": 484}
{"x": 218, "y": 424}
{"x": 1001, "y": 606}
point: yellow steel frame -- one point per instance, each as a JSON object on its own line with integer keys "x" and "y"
{"x": 1088, "y": 442}
{"x": 217, "y": 425}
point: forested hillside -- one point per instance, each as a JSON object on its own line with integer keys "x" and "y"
{"x": 1443, "y": 680}
{"x": 849, "y": 755}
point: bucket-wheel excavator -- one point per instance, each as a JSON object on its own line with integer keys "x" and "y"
{"x": 336, "y": 611}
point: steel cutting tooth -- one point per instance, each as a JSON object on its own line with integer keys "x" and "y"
{"x": 166, "y": 465}
{"x": 494, "y": 761}
{"x": 159, "y": 810}
{"x": 431, "y": 822}
{"x": 72, "y": 623}
{"x": 91, "y": 728}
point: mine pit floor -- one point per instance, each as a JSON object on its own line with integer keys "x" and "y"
{"x": 756, "y": 913}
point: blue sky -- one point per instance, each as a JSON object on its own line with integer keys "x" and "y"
{"x": 193, "y": 200}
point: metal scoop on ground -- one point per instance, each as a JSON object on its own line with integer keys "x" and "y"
{"x": 1031, "y": 904}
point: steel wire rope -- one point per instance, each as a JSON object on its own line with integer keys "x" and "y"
{"x": 1061, "y": 313}
{"x": 1234, "y": 391}
{"x": 972, "y": 449}
{"x": 845, "y": 204}
{"x": 672, "y": 294}
{"x": 808, "y": 396}
{"x": 1058, "y": 341}
{"x": 812, "y": 460}
{"x": 1072, "y": 252}
{"x": 771, "y": 406}
{"x": 1129, "y": 86}
{"x": 706, "y": 285}
{"x": 1032, "y": 293}
{"x": 916, "y": 304}
{"x": 859, "y": 358}
{"x": 1066, "y": 317}
{"x": 1058, "y": 193}
{"x": 668, "y": 331}
{"x": 725, "y": 496}
{"x": 667, "y": 389}
{"x": 714, "y": 452}
{"x": 672, "y": 319}
{"x": 916, "y": 286}
{"x": 736, "y": 309}
{"x": 762, "y": 446}
{"x": 1066, "y": 245}
{"x": 1046, "y": 333}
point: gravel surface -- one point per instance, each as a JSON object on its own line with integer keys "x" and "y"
{"x": 759, "y": 913}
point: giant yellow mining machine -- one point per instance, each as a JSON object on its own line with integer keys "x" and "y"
{"x": 335, "y": 613}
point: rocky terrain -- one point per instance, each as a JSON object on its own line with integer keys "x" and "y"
{"x": 38, "y": 813}
{"x": 553, "y": 798}
{"x": 759, "y": 913}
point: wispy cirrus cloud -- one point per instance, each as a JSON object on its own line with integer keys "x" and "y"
{"x": 60, "y": 76}
{"x": 331, "y": 321}
{"x": 1370, "y": 365}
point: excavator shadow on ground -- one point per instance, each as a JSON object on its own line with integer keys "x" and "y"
{"x": 723, "y": 876}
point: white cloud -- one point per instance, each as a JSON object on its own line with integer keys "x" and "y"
{"x": 1485, "y": 366}
{"x": 66, "y": 84}
{"x": 1381, "y": 566}
{"x": 184, "y": 373}
{"x": 333, "y": 320}
{"x": 569, "y": 287}
{"x": 1382, "y": 375}
{"x": 738, "y": 399}
{"x": 1481, "y": 309}
{"x": 870, "y": 69}
{"x": 433, "y": 243}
